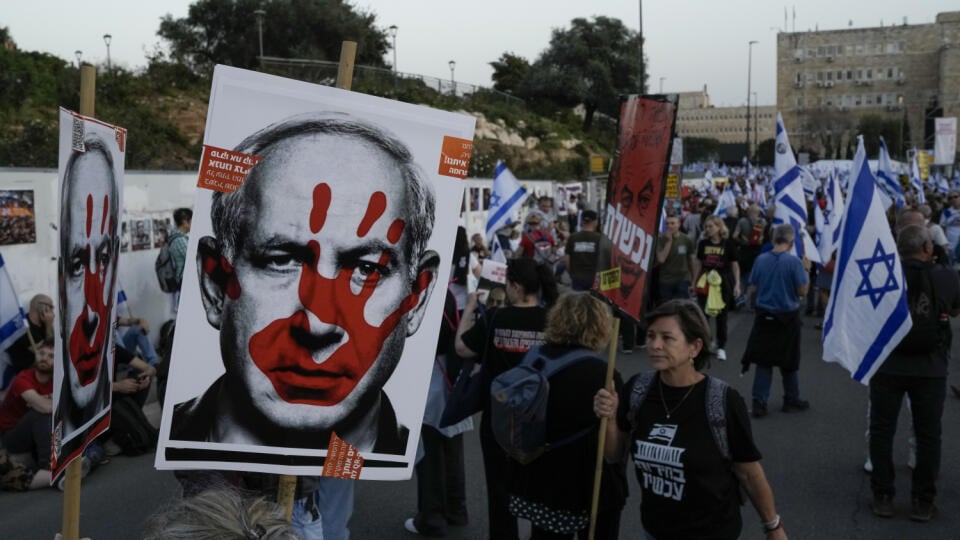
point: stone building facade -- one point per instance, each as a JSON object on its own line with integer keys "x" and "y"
{"x": 828, "y": 80}
{"x": 696, "y": 117}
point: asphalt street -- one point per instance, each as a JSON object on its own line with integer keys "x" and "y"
{"x": 813, "y": 461}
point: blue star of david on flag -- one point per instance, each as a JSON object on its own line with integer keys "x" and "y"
{"x": 866, "y": 287}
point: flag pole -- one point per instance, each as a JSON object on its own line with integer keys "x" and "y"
{"x": 602, "y": 436}
{"x": 348, "y": 53}
{"x": 71, "y": 491}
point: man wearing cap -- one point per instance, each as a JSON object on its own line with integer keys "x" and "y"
{"x": 587, "y": 252}
{"x": 537, "y": 243}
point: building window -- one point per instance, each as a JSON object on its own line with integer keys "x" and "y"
{"x": 869, "y": 74}
{"x": 859, "y": 50}
{"x": 849, "y": 74}
{"x": 857, "y": 100}
{"x": 811, "y": 53}
{"x": 859, "y": 74}
{"x": 889, "y": 73}
{"x": 819, "y": 75}
{"x": 869, "y": 99}
{"x": 821, "y": 51}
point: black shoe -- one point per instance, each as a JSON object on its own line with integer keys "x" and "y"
{"x": 759, "y": 409}
{"x": 798, "y": 405}
{"x": 882, "y": 506}
{"x": 922, "y": 510}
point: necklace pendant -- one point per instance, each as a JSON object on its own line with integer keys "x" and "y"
{"x": 668, "y": 416}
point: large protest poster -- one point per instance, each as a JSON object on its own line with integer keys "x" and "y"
{"x": 635, "y": 197}
{"x": 91, "y": 167}
{"x": 313, "y": 291}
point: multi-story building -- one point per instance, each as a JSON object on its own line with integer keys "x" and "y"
{"x": 828, "y": 80}
{"x": 696, "y": 117}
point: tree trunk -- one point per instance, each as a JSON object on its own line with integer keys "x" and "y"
{"x": 588, "y": 116}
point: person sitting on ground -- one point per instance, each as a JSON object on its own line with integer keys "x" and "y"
{"x": 40, "y": 327}
{"x": 25, "y": 413}
{"x": 224, "y": 514}
{"x": 554, "y": 490}
{"x": 136, "y": 339}
{"x": 691, "y": 460}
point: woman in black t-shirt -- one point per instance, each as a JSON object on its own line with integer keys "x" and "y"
{"x": 501, "y": 339}
{"x": 717, "y": 251}
{"x": 690, "y": 486}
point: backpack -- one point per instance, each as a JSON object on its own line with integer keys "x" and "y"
{"x": 926, "y": 335}
{"x": 543, "y": 252}
{"x": 129, "y": 428}
{"x": 165, "y": 267}
{"x": 518, "y": 403}
{"x": 716, "y": 407}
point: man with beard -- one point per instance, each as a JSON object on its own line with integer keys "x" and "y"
{"x": 317, "y": 274}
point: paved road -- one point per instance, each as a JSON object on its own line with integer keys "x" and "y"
{"x": 813, "y": 461}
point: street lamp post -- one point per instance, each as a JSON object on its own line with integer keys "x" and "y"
{"x": 756, "y": 124}
{"x": 78, "y": 53}
{"x": 749, "y": 68}
{"x": 259, "y": 13}
{"x": 106, "y": 39}
{"x": 903, "y": 146}
{"x": 453, "y": 83}
{"x": 661, "y": 84}
{"x": 640, "y": 34}
{"x": 393, "y": 35}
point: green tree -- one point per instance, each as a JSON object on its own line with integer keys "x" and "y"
{"x": 510, "y": 73}
{"x": 700, "y": 149}
{"x": 872, "y": 127}
{"x": 226, "y": 32}
{"x": 592, "y": 63}
{"x": 765, "y": 151}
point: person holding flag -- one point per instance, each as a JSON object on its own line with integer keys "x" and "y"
{"x": 915, "y": 180}
{"x": 789, "y": 198}
{"x": 507, "y": 198}
{"x": 890, "y": 189}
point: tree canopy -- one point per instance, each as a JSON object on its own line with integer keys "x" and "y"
{"x": 226, "y": 32}
{"x": 510, "y": 73}
{"x": 592, "y": 62}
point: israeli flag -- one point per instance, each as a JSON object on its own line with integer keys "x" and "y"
{"x": 915, "y": 180}
{"x": 887, "y": 179}
{"x": 790, "y": 201}
{"x": 942, "y": 185}
{"x": 13, "y": 322}
{"x": 867, "y": 315}
{"x": 496, "y": 251}
{"x": 725, "y": 201}
{"x": 507, "y": 197}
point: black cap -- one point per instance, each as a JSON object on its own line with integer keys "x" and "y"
{"x": 588, "y": 215}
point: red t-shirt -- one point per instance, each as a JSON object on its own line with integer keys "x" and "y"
{"x": 14, "y": 406}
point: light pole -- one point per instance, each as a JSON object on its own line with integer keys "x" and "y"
{"x": 902, "y": 114}
{"x": 259, "y": 13}
{"x": 640, "y": 34}
{"x": 106, "y": 39}
{"x": 78, "y": 53}
{"x": 661, "y": 84}
{"x": 453, "y": 83}
{"x": 393, "y": 35}
{"x": 749, "y": 68}
{"x": 756, "y": 124}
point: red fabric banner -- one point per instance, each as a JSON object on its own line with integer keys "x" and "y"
{"x": 635, "y": 197}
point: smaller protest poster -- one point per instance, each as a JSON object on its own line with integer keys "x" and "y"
{"x": 493, "y": 275}
{"x": 18, "y": 224}
{"x": 635, "y": 196}
{"x": 161, "y": 230}
{"x": 91, "y": 198}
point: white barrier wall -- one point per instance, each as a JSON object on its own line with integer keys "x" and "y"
{"x": 147, "y": 194}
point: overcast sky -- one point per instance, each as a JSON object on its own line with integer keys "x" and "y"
{"x": 689, "y": 42}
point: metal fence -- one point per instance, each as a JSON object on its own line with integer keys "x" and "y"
{"x": 380, "y": 81}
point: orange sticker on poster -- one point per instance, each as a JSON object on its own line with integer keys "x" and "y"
{"x": 120, "y": 135}
{"x": 224, "y": 170}
{"x": 343, "y": 460}
{"x": 455, "y": 157}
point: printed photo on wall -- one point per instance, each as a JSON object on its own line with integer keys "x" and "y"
{"x": 161, "y": 230}
{"x": 91, "y": 196}
{"x": 18, "y": 224}
{"x": 140, "y": 234}
{"x": 312, "y": 293}
{"x": 124, "y": 237}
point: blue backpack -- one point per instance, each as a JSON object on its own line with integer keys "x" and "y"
{"x": 518, "y": 403}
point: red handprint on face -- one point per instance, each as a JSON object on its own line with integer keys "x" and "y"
{"x": 90, "y": 329}
{"x": 284, "y": 349}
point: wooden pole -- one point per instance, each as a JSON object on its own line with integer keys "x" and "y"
{"x": 602, "y": 437}
{"x": 286, "y": 491}
{"x": 71, "y": 492}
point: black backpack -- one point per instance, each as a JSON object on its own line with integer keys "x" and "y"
{"x": 927, "y": 333}
{"x": 129, "y": 428}
{"x": 165, "y": 267}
